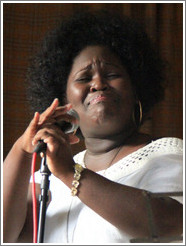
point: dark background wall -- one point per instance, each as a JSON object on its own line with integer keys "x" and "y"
{"x": 24, "y": 26}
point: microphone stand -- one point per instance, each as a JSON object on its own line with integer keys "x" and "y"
{"x": 43, "y": 198}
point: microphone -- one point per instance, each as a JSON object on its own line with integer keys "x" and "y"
{"x": 66, "y": 127}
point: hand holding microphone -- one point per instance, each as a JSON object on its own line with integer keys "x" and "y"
{"x": 56, "y": 132}
{"x": 66, "y": 126}
{"x": 53, "y": 115}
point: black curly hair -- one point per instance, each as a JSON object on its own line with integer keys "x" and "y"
{"x": 49, "y": 70}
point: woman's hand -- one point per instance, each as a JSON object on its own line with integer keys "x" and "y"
{"x": 50, "y": 116}
{"x": 58, "y": 153}
{"x": 58, "y": 143}
{"x": 25, "y": 141}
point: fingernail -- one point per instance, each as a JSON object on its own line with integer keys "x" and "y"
{"x": 68, "y": 106}
{"x": 56, "y": 99}
{"x": 41, "y": 154}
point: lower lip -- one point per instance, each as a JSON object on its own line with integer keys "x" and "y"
{"x": 98, "y": 99}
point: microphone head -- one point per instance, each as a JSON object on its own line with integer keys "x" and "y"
{"x": 68, "y": 127}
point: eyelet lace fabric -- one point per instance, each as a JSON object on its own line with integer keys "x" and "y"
{"x": 139, "y": 158}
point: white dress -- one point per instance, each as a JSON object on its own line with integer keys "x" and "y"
{"x": 157, "y": 167}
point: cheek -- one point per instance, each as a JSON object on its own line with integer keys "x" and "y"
{"x": 127, "y": 99}
{"x": 74, "y": 95}
{"x": 126, "y": 92}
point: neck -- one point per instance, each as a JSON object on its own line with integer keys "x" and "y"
{"x": 97, "y": 146}
{"x": 102, "y": 153}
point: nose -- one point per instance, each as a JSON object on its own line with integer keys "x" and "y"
{"x": 98, "y": 84}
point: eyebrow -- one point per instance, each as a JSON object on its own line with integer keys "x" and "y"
{"x": 112, "y": 64}
{"x": 84, "y": 68}
{"x": 90, "y": 65}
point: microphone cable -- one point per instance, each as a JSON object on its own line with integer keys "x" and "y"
{"x": 34, "y": 200}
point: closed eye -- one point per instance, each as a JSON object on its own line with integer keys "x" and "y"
{"x": 83, "y": 79}
{"x": 112, "y": 76}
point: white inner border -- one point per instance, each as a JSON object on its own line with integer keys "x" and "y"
{"x": 2, "y": 2}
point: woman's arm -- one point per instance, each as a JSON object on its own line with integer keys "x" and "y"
{"x": 16, "y": 175}
{"x": 126, "y": 207}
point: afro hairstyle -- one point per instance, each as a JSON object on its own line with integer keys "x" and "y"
{"x": 50, "y": 67}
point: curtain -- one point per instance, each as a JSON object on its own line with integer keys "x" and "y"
{"x": 24, "y": 26}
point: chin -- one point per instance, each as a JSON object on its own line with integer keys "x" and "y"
{"x": 102, "y": 115}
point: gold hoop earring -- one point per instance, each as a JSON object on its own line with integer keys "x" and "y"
{"x": 141, "y": 112}
{"x": 138, "y": 114}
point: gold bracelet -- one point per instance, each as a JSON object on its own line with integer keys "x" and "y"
{"x": 77, "y": 175}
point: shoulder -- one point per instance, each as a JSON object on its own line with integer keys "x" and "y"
{"x": 159, "y": 148}
{"x": 164, "y": 167}
{"x": 167, "y": 144}
{"x": 163, "y": 154}
{"x": 158, "y": 167}
{"x": 157, "y": 154}
{"x": 162, "y": 148}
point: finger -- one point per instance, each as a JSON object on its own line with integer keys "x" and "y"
{"x": 52, "y": 143}
{"x": 49, "y": 123}
{"x": 42, "y": 155}
{"x": 63, "y": 109}
{"x": 53, "y": 106}
{"x": 34, "y": 122}
{"x": 55, "y": 143}
{"x": 49, "y": 111}
{"x": 54, "y": 111}
{"x": 73, "y": 139}
{"x": 41, "y": 135}
{"x": 67, "y": 118}
{"x": 51, "y": 130}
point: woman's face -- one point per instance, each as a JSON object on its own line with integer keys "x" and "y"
{"x": 100, "y": 90}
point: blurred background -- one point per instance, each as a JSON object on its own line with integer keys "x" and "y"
{"x": 25, "y": 25}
